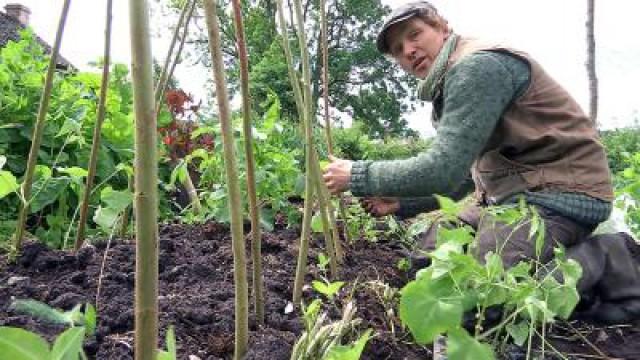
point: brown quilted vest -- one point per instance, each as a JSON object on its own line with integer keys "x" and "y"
{"x": 544, "y": 141}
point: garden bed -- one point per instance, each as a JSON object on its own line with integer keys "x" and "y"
{"x": 196, "y": 296}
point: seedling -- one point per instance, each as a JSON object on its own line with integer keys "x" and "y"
{"x": 327, "y": 288}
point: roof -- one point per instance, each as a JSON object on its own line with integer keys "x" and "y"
{"x": 10, "y": 31}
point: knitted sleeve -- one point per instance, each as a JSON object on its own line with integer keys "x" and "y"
{"x": 477, "y": 91}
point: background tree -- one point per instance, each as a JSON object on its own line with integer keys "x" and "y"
{"x": 362, "y": 82}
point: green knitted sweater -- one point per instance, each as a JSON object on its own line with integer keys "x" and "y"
{"x": 477, "y": 91}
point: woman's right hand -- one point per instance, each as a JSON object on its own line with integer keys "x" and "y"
{"x": 380, "y": 206}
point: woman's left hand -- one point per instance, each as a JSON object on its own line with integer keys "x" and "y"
{"x": 337, "y": 175}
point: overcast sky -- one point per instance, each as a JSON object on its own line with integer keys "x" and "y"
{"x": 552, "y": 31}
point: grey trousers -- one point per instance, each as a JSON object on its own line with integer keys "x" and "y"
{"x": 610, "y": 283}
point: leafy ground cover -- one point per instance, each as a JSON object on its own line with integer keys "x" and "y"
{"x": 196, "y": 296}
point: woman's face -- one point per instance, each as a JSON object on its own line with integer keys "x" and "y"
{"x": 414, "y": 45}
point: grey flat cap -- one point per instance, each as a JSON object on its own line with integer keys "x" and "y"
{"x": 398, "y": 15}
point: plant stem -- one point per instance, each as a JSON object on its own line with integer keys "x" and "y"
{"x": 146, "y": 188}
{"x": 38, "y": 132}
{"x": 233, "y": 188}
{"x": 251, "y": 179}
{"x": 95, "y": 146}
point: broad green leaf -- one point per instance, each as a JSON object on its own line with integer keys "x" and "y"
{"x": 430, "y": 307}
{"x": 519, "y": 332}
{"x": 68, "y": 345}
{"x": 19, "y": 344}
{"x": 105, "y": 217}
{"x": 562, "y": 300}
{"x": 458, "y": 236}
{"x": 8, "y": 183}
{"x": 116, "y": 200}
{"x": 74, "y": 172}
{"x": 349, "y": 352}
{"x": 327, "y": 289}
{"x": 47, "y": 191}
{"x": 461, "y": 346}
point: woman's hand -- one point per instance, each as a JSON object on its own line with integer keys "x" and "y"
{"x": 380, "y": 206}
{"x": 337, "y": 175}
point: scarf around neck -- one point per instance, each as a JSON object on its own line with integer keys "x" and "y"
{"x": 429, "y": 87}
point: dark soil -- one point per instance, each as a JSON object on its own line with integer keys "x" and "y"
{"x": 196, "y": 295}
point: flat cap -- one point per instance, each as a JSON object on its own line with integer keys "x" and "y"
{"x": 398, "y": 15}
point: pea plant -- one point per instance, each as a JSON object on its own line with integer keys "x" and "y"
{"x": 456, "y": 283}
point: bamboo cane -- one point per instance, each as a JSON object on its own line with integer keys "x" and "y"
{"x": 95, "y": 146}
{"x": 301, "y": 106}
{"x": 233, "y": 188}
{"x": 38, "y": 131}
{"x": 308, "y": 114}
{"x": 146, "y": 175}
{"x": 161, "y": 86}
{"x": 251, "y": 179}
{"x": 327, "y": 122}
{"x": 167, "y": 61}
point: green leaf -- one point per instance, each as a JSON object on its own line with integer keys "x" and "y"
{"x": 90, "y": 319}
{"x": 74, "y": 172}
{"x": 19, "y": 344}
{"x": 106, "y": 217}
{"x": 461, "y": 346}
{"x": 116, "y": 200}
{"x": 519, "y": 332}
{"x": 327, "y": 289}
{"x": 459, "y": 236}
{"x": 316, "y": 223}
{"x": 170, "y": 341}
{"x": 8, "y": 183}
{"x": 430, "y": 307}
{"x": 68, "y": 345}
{"x": 47, "y": 191}
{"x": 349, "y": 352}
{"x": 448, "y": 206}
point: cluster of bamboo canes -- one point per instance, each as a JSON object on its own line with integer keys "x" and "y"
{"x": 147, "y": 105}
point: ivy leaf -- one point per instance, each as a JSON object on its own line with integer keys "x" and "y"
{"x": 430, "y": 307}
{"x": 461, "y": 346}
{"x": 19, "y": 344}
{"x": 349, "y": 352}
